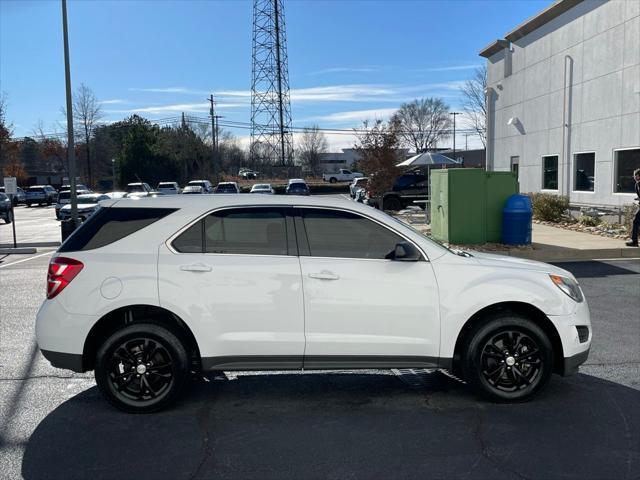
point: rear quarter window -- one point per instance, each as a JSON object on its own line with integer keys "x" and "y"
{"x": 109, "y": 225}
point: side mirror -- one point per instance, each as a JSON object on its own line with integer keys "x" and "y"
{"x": 404, "y": 252}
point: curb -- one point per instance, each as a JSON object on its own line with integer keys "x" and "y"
{"x": 553, "y": 255}
{"x": 32, "y": 244}
{"x": 17, "y": 250}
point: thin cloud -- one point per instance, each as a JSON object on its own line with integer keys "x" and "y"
{"x": 112, "y": 101}
{"x": 201, "y": 107}
{"x": 353, "y": 115}
{"x": 182, "y": 90}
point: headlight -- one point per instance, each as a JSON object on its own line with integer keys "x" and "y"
{"x": 568, "y": 286}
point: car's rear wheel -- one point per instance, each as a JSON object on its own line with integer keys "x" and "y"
{"x": 333, "y": 180}
{"x": 142, "y": 368}
{"x": 392, "y": 204}
{"x": 508, "y": 359}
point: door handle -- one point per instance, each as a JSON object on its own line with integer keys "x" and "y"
{"x": 196, "y": 267}
{"x": 324, "y": 275}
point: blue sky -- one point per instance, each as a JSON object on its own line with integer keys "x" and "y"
{"x": 348, "y": 60}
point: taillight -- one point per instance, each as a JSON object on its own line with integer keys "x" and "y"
{"x": 61, "y": 271}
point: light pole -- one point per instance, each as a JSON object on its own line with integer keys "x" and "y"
{"x": 454, "y": 132}
{"x": 113, "y": 170}
{"x": 71, "y": 154}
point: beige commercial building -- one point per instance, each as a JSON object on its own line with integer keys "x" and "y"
{"x": 563, "y": 101}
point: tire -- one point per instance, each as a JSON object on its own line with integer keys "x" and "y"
{"x": 504, "y": 377}
{"x": 134, "y": 349}
{"x": 333, "y": 180}
{"x": 28, "y": 205}
{"x": 392, "y": 203}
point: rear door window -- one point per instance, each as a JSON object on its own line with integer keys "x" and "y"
{"x": 239, "y": 231}
{"x": 109, "y": 225}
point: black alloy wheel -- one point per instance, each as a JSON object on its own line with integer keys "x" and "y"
{"x": 392, "y": 204}
{"x": 511, "y": 361}
{"x": 508, "y": 359}
{"x": 142, "y": 368}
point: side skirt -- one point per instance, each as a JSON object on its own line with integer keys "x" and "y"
{"x": 321, "y": 362}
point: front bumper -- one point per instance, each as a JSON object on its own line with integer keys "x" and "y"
{"x": 572, "y": 363}
{"x": 68, "y": 361}
{"x": 575, "y": 342}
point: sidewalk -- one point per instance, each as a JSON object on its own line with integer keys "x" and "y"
{"x": 555, "y": 244}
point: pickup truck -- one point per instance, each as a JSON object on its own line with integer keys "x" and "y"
{"x": 407, "y": 188}
{"x": 343, "y": 175}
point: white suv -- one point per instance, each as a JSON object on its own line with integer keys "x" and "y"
{"x": 147, "y": 290}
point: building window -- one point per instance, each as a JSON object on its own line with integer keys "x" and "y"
{"x": 585, "y": 171}
{"x": 626, "y": 161}
{"x": 550, "y": 172}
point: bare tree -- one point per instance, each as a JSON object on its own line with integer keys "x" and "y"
{"x": 473, "y": 102}
{"x": 422, "y": 123}
{"x": 311, "y": 146}
{"x": 86, "y": 115}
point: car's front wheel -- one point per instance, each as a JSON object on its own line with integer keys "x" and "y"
{"x": 508, "y": 359}
{"x": 142, "y": 368}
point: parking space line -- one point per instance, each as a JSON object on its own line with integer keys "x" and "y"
{"x": 27, "y": 259}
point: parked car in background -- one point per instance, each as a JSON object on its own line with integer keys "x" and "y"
{"x": 168, "y": 188}
{"x": 87, "y": 205}
{"x": 343, "y": 175}
{"x": 18, "y": 198}
{"x": 206, "y": 185}
{"x": 227, "y": 187}
{"x": 193, "y": 190}
{"x": 79, "y": 187}
{"x": 5, "y": 208}
{"x": 115, "y": 195}
{"x": 297, "y": 186}
{"x": 407, "y": 188}
{"x": 360, "y": 182}
{"x": 248, "y": 174}
{"x": 360, "y": 195}
{"x": 264, "y": 188}
{"x": 64, "y": 198}
{"x": 138, "y": 187}
{"x": 226, "y": 285}
{"x": 40, "y": 194}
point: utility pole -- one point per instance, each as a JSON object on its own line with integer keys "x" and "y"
{"x": 214, "y": 139}
{"x": 466, "y": 141}
{"x": 454, "y": 132}
{"x": 71, "y": 154}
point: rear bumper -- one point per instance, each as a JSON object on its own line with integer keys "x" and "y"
{"x": 572, "y": 363}
{"x": 68, "y": 361}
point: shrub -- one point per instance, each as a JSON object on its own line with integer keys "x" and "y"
{"x": 548, "y": 207}
{"x": 589, "y": 221}
{"x": 628, "y": 213}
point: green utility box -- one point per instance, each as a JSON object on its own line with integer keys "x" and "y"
{"x": 467, "y": 203}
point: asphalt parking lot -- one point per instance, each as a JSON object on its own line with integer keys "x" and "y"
{"x": 373, "y": 424}
{"x": 35, "y": 226}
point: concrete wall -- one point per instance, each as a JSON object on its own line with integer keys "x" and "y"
{"x": 581, "y": 69}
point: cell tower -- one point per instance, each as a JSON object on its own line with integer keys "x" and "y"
{"x": 271, "y": 138}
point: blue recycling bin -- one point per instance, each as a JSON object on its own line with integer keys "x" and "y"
{"x": 516, "y": 220}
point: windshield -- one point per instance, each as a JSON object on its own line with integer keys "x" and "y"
{"x": 83, "y": 199}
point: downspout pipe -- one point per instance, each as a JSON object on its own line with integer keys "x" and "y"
{"x": 566, "y": 126}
